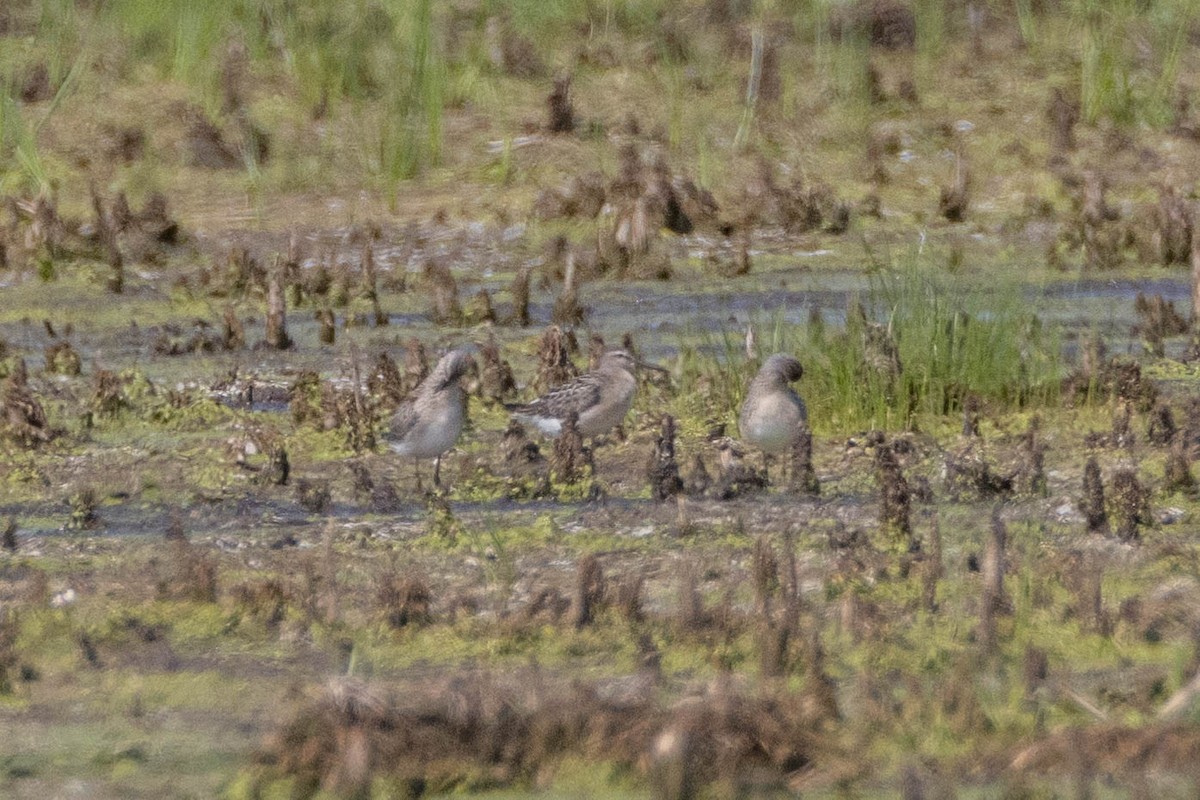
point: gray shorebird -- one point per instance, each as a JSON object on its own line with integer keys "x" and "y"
{"x": 599, "y": 399}
{"x": 772, "y": 413}
{"x": 429, "y": 422}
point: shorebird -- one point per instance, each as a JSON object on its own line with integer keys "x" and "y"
{"x": 428, "y": 423}
{"x": 772, "y": 412}
{"x": 599, "y": 399}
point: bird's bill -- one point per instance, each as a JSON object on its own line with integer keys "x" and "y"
{"x": 472, "y": 378}
{"x": 655, "y": 367}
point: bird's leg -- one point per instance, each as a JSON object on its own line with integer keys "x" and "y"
{"x": 437, "y": 471}
{"x": 417, "y": 472}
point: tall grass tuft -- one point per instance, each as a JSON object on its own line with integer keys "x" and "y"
{"x": 931, "y": 27}
{"x": 848, "y": 63}
{"x": 1160, "y": 101}
{"x": 181, "y": 39}
{"x": 337, "y": 50}
{"x": 844, "y": 61}
{"x": 952, "y": 341}
{"x": 1113, "y": 81}
{"x": 1106, "y": 88}
{"x": 60, "y": 31}
{"x": 1027, "y": 23}
{"x": 196, "y": 38}
{"x": 18, "y": 145}
{"x": 18, "y": 136}
{"x": 1130, "y": 57}
{"x": 676, "y": 93}
{"x": 757, "y": 48}
{"x": 411, "y": 132}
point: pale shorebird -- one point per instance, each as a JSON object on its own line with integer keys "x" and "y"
{"x": 429, "y": 422}
{"x": 598, "y": 399}
{"x": 772, "y": 413}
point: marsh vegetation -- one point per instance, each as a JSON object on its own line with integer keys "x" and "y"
{"x": 236, "y": 235}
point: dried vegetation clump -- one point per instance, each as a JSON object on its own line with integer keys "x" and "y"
{"x": 185, "y": 571}
{"x": 261, "y": 452}
{"x": 307, "y": 402}
{"x": 276, "y": 330}
{"x": 85, "y": 515}
{"x": 9, "y": 658}
{"x": 24, "y": 422}
{"x": 319, "y": 405}
{"x": 735, "y": 478}
{"x": 968, "y": 474}
{"x": 571, "y": 461}
{"x": 1177, "y": 471}
{"x": 416, "y": 365}
{"x": 1172, "y": 221}
{"x": 208, "y": 146}
{"x": 314, "y": 496}
{"x": 895, "y": 494}
{"x": 511, "y": 51}
{"x": 804, "y": 479}
{"x": 379, "y": 496}
{"x": 264, "y": 601}
{"x": 560, "y": 117}
{"x": 995, "y": 600}
{"x": 470, "y": 730}
{"x": 663, "y": 469}
{"x": 567, "y": 311}
{"x": 8, "y": 537}
{"x": 385, "y": 385}
{"x": 1062, "y": 113}
{"x": 1131, "y": 506}
{"x": 520, "y": 298}
{"x": 36, "y": 236}
{"x": 1121, "y": 379}
{"x": 445, "y": 308}
{"x": 1030, "y": 473}
{"x": 479, "y": 309}
{"x": 496, "y": 381}
{"x": 887, "y": 24}
{"x": 403, "y": 600}
{"x": 1092, "y": 504}
{"x": 516, "y": 448}
{"x": 554, "y": 360}
{"x": 1157, "y": 320}
{"x": 580, "y": 196}
{"x": 1114, "y": 749}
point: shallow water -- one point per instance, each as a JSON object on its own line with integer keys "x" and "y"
{"x": 662, "y": 315}
{"x": 692, "y": 309}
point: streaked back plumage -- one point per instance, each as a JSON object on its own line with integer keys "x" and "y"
{"x": 599, "y": 399}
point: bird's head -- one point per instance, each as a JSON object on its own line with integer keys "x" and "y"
{"x": 623, "y": 359}
{"x": 786, "y": 367}
{"x": 453, "y": 366}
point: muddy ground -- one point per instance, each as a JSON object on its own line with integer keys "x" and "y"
{"x": 216, "y": 580}
{"x": 175, "y": 604}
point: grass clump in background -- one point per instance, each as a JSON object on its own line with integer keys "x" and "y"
{"x": 912, "y": 347}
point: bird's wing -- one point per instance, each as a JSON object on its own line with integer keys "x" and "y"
{"x": 403, "y": 421}
{"x": 573, "y": 397}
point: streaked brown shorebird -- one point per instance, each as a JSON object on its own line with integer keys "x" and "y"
{"x": 772, "y": 413}
{"x": 429, "y": 422}
{"x": 599, "y": 399}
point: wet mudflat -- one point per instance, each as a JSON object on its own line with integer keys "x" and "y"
{"x": 235, "y": 238}
{"x": 169, "y": 571}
